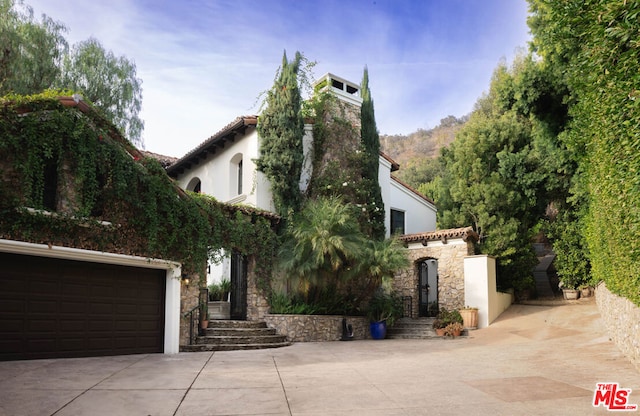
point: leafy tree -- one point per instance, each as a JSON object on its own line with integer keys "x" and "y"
{"x": 505, "y": 167}
{"x": 281, "y": 128}
{"x": 109, "y": 82}
{"x": 35, "y": 57}
{"x": 31, "y": 51}
{"x": 371, "y": 144}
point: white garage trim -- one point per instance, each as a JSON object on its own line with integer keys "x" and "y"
{"x": 172, "y": 291}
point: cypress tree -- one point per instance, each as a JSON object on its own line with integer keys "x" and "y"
{"x": 281, "y": 128}
{"x": 370, "y": 164}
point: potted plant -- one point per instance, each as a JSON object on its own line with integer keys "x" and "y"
{"x": 383, "y": 310}
{"x": 454, "y": 329}
{"x": 438, "y": 327}
{"x": 225, "y": 289}
{"x": 444, "y": 319}
{"x": 469, "y": 317}
{"x": 569, "y": 284}
{"x": 586, "y": 290}
{"x": 219, "y": 305}
{"x": 204, "y": 316}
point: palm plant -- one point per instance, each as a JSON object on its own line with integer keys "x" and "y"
{"x": 324, "y": 247}
{"x": 323, "y": 243}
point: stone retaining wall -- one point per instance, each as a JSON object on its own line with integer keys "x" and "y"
{"x": 312, "y": 328}
{"x": 622, "y": 320}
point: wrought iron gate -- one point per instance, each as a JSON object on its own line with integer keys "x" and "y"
{"x": 238, "y": 286}
{"x": 428, "y": 288}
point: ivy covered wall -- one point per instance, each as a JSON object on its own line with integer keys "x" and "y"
{"x": 69, "y": 178}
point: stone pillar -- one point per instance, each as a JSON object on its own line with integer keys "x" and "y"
{"x": 189, "y": 296}
{"x": 257, "y": 305}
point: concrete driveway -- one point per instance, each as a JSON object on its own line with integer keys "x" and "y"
{"x": 535, "y": 360}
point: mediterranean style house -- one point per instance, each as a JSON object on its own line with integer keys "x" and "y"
{"x": 223, "y": 166}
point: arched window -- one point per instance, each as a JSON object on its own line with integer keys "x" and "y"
{"x": 236, "y": 175}
{"x": 240, "y": 177}
{"x": 194, "y": 185}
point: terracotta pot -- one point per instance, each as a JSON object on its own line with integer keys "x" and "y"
{"x": 470, "y": 318}
{"x": 439, "y": 332}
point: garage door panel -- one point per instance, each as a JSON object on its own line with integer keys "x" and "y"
{"x": 42, "y": 306}
{"x": 99, "y": 308}
{"x": 59, "y": 308}
{"x": 72, "y": 325}
{"x": 71, "y": 306}
{"x": 44, "y": 286}
{"x": 75, "y": 289}
{"x": 42, "y": 325}
{"x": 12, "y": 306}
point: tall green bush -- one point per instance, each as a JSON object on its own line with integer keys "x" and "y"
{"x": 594, "y": 45}
{"x": 281, "y": 128}
{"x": 371, "y": 144}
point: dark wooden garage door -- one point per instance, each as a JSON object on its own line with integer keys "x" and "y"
{"x": 59, "y": 308}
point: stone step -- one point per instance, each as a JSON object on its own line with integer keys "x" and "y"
{"x": 229, "y": 335}
{"x": 407, "y": 328}
{"x": 226, "y": 323}
{"x": 230, "y": 347}
{"x": 414, "y": 323}
{"x": 237, "y": 339}
{"x": 423, "y": 335}
{"x": 224, "y": 332}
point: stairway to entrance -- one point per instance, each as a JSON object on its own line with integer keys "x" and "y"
{"x": 227, "y": 335}
{"x": 408, "y": 328}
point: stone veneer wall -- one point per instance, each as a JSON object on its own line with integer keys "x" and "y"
{"x": 257, "y": 304}
{"x": 450, "y": 256}
{"x": 622, "y": 320}
{"x": 315, "y": 328}
{"x": 188, "y": 299}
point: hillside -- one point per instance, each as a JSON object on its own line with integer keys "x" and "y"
{"x": 415, "y": 151}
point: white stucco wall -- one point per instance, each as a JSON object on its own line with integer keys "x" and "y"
{"x": 384, "y": 179}
{"x": 480, "y": 289}
{"x": 218, "y": 174}
{"x": 420, "y": 214}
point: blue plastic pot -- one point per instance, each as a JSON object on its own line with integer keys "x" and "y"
{"x": 378, "y": 329}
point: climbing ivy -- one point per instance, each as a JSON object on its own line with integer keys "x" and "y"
{"x": 109, "y": 197}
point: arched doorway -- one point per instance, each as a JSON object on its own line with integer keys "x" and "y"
{"x": 428, "y": 288}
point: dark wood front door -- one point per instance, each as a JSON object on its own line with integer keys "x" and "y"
{"x": 52, "y": 308}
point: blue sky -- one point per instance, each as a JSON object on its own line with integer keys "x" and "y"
{"x": 204, "y": 62}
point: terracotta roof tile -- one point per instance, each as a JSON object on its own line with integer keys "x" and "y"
{"x": 165, "y": 161}
{"x": 467, "y": 234}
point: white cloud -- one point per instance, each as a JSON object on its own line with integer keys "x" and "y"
{"x": 205, "y": 62}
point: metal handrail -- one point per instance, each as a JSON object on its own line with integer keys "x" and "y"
{"x": 201, "y": 306}
{"x": 191, "y": 314}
